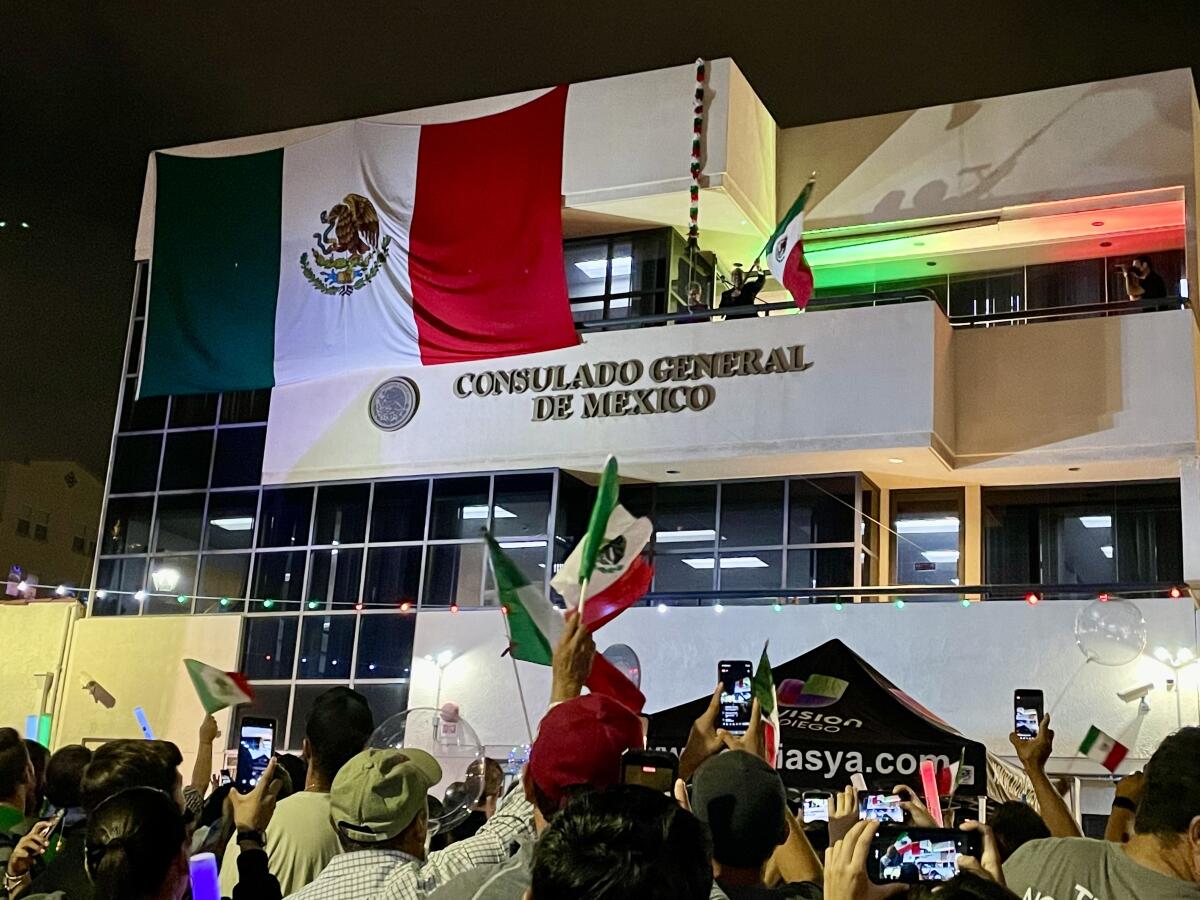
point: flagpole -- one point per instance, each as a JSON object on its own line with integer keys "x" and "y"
{"x": 517, "y": 676}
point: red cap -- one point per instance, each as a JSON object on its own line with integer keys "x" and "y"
{"x": 580, "y": 742}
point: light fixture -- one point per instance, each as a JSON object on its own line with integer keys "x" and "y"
{"x": 595, "y": 268}
{"x": 1175, "y": 593}
{"x": 24, "y": 224}
{"x": 718, "y": 607}
{"x": 233, "y": 523}
{"x": 453, "y": 607}
{"x": 1183, "y": 286}
{"x": 371, "y": 666}
{"x": 223, "y": 602}
{"x": 1107, "y": 550}
{"x": 1096, "y": 521}
{"x": 517, "y": 545}
{"x": 837, "y": 607}
{"x": 934, "y": 525}
{"x": 662, "y": 607}
{"x": 672, "y": 471}
{"x": 727, "y": 562}
{"x": 313, "y": 604}
{"x": 268, "y": 603}
{"x": 139, "y": 595}
{"x": 480, "y": 511}
{"x": 61, "y": 590}
{"x": 1176, "y": 659}
{"x": 899, "y": 604}
{"x": 101, "y": 594}
{"x": 1033, "y": 598}
{"x": 930, "y": 262}
{"x": 895, "y": 460}
{"x": 966, "y": 604}
{"x": 165, "y": 578}
{"x": 405, "y": 606}
{"x": 181, "y": 599}
{"x": 941, "y": 556}
{"x": 776, "y": 607}
{"x": 1097, "y": 224}
{"x": 683, "y": 535}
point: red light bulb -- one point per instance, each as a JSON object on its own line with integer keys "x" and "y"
{"x": 1175, "y": 593}
{"x": 1033, "y": 598}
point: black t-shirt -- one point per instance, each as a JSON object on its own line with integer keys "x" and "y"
{"x": 799, "y": 890}
{"x": 744, "y": 297}
{"x": 1153, "y": 287}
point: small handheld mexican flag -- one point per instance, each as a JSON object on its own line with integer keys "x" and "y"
{"x": 1102, "y": 748}
{"x": 609, "y": 558}
{"x": 786, "y": 250}
{"x": 218, "y": 689}
{"x": 535, "y": 626}
{"x": 762, "y": 689}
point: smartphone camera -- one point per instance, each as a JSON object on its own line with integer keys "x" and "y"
{"x": 901, "y": 855}
{"x": 880, "y": 807}
{"x": 816, "y": 806}
{"x": 1028, "y": 709}
{"x": 736, "y": 676}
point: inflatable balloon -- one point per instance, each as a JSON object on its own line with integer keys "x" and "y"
{"x": 446, "y": 736}
{"x": 1111, "y": 633}
{"x": 626, "y": 661}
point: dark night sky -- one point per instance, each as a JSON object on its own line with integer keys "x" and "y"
{"x": 90, "y": 88}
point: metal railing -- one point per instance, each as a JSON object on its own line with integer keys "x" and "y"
{"x": 901, "y": 594}
{"x": 887, "y": 298}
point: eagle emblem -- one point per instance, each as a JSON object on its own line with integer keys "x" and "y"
{"x": 349, "y": 252}
{"x": 608, "y": 560}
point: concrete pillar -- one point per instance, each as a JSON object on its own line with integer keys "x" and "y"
{"x": 972, "y": 535}
{"x": 1189, "y": 507}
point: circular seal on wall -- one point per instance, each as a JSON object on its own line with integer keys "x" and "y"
{"x": 394, "y": 403}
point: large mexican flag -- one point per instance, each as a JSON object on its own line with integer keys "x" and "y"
{"x": 372, "y": 245}
{"x": 786, "y": 251}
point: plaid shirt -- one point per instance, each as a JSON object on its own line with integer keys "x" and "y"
{"x": 392, "y": 875}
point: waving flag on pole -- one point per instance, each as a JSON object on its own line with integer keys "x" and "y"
{"x": 762, "y": 689}
{"x": 535, "y": 626}
{"x": 786, "y": 251}
{"x": 608, "y": 559}
{"x": 218, "y": 689}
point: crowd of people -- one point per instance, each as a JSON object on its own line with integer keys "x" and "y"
{"x": 350, "y": 821}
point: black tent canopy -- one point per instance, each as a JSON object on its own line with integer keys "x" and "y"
{"x": 838, "y": 716}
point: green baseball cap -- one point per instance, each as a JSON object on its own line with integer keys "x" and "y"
{"x": 378, "y": 793}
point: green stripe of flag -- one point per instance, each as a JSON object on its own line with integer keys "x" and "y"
{"x": 1094, "y": 734}
{"x": 606, "y": 502}
{"x": 530, "y": 616}
{"x": 214, "y": 277}
{"x": 762, "y": 688}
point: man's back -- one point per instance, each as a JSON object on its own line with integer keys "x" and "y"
{"x": 300, "y": 842}
{"x": 1067, "y": 868}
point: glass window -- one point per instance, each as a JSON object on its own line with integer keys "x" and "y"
{"x": 817, "y": 568}
{"x": 239, "y": 456}
{"x": 751, "y": 514}
{"x": 454, "y": 574}
{"x": 984, "y": 293}
{"x": 685, "y": 572}
{"x": 302, "y": 706}
{"x": 1083, "y": 546}
{"x": 223, "y": 576}
{"x": 385, "y": 700}
{"x": 179, "y": 518}
{"x": 926, "y": 544}
{"x": 459, "y": 508}
{"x": 278, "y": 581}
{"x": 326, "y": 643}
{"x": 587, "y": 268}
{"x": 127, "y": 524}
{"x": 821, "y": 510}
{"x": 171, "y": 577}
{"x": 245, "y": 406}
{"x": 186, "y": 459}
{"x": 1064, "y": 283}
{"x": 385, "y": 647}
{"x": 230, "y": 523}
{"x": 529, "y": 558}
{"x": 270, "y": 702}
{"x": 521, "y": 505}
{"x": 333, "y": 582}
{"x": 191, "y": 410}
{"x": 341, "y": 514}
{"x": 398, "y": 511}
{"x": 685, "y": 516}
{"x": 135, "y": 464}
{"x": 393, "y": 576}
{"x": 752, "y": 570}
{"x": 268, "y": 647}
{"x": 135, "y": 347}
{"x": 285, "y": 516}
{"x": 119, "y": 578}
{"x": 141, "y": 415}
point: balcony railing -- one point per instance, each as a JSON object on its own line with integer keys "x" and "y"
{"x": 886, "y": 298}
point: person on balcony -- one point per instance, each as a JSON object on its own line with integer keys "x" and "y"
{"x": 1141, "y": 281}
{"x": 742, "y": 291}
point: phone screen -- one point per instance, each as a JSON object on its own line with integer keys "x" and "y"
{"x": 736, "y": 676}
{"x": 648, "y": 768}
{"x": 911, "y": 855}
{"x": 880, "y": 807}
{"x": 1028, "y": 709}
{"x": 816, "y": 806}
{"x": 256, "y": 742}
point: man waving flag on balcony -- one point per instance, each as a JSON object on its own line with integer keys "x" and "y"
{"x": 785, "y": 250}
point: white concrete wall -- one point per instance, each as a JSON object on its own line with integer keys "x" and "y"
{"x": 35, "y": 640}
{"x": 1080, "y": 141}
{"x": 963, "y": 664}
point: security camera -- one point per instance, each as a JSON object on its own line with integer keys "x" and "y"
{"x": 1137, "y": 693}
{"x": 97, "y": 691}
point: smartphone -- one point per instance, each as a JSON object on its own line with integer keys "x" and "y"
{"x": 880, "y": 806}
{"x": 816, "y": 806}
{"x": 1028, "y": 709}
{"x": 900, "y": 855}
{"x": 256, "y": 743}
{"x": 226, "y": 778}
{"x": 655, "y": 769}
{"x": 736, "y": 676}
{"x": 50, "y": 831}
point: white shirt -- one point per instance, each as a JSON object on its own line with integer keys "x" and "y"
{"x": 300, "y": 842}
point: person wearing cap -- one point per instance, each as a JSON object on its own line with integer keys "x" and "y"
{"x": 578, "y": 748}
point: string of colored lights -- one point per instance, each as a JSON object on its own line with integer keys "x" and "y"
{"x": 697, "y": 133}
